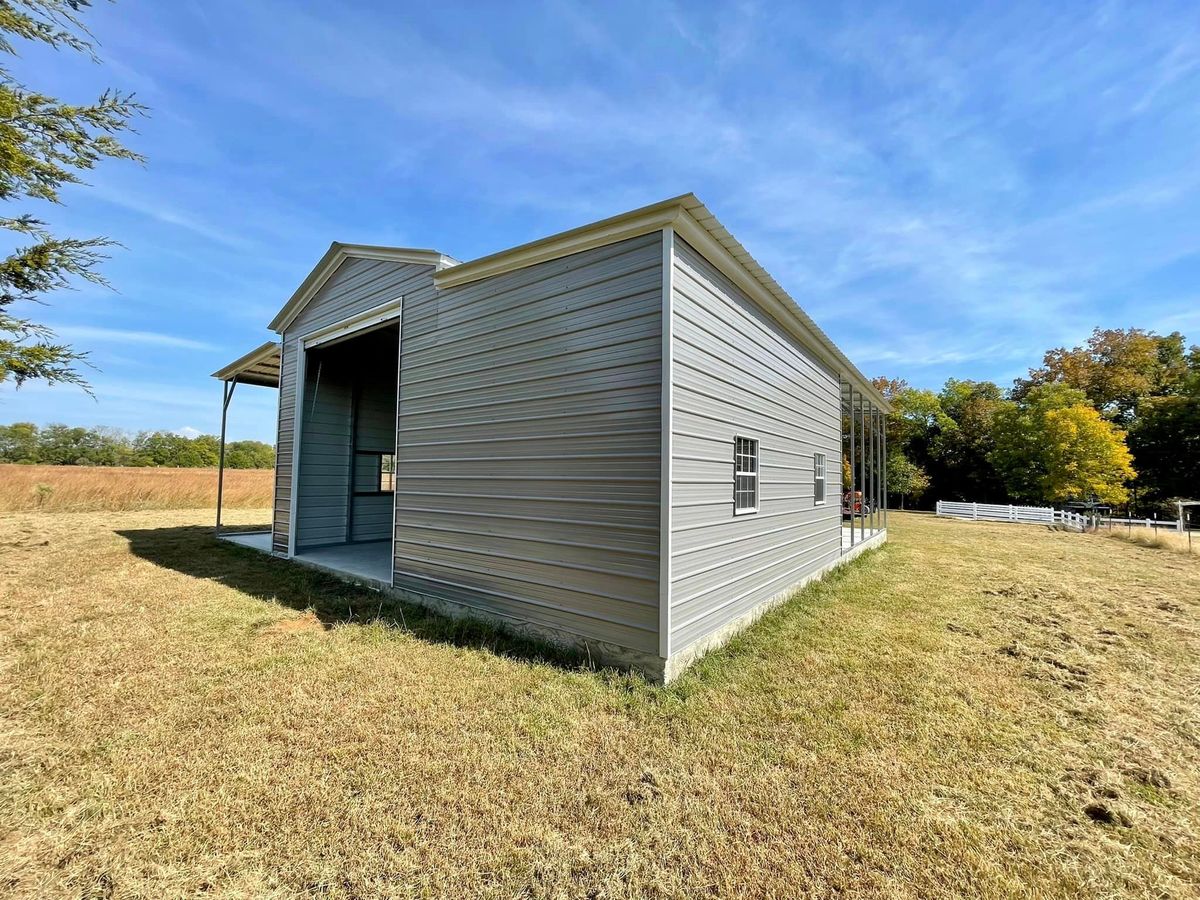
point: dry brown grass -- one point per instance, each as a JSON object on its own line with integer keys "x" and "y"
{"x": 1157, "y": 538}
{"x": 976, "y": 709}
{"x": 83, "y": 488}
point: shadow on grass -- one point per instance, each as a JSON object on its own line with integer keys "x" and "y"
{"x": 194, "y": 551}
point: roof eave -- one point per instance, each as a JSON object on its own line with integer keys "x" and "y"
{"x": 699, "y": 227}
{"x": 240, "y": 367}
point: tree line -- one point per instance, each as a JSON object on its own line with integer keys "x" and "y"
{"x": 1115, "y": 421}
{"x": 63, "y": 445}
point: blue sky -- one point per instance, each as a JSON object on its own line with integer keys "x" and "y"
{"x": 948, "y": 189}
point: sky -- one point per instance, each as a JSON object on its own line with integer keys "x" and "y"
{"x": 947, "y": 189}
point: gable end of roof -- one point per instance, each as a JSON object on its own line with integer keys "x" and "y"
{"x": 337, "y": 254}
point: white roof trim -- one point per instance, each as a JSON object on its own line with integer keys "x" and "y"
{"x": 259, "y": 366}
{"x": 339, "y": 253}
{"x": 694, "y": 223}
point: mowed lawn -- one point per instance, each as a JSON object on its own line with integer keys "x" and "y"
{"x": 972, "y": 710}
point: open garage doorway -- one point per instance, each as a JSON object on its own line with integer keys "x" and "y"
{"x": 345, "y": 481}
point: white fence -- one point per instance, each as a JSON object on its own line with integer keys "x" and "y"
{"x": 1001, "y": 512}
{"x": 1156, "y": 524}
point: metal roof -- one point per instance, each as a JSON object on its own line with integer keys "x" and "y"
{"x": 260, "y": 366}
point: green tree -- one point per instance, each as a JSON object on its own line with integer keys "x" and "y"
{"x": 163, "y": 448}
{"x": 905, "y": 478}
{"x": 62, "y": 445}
{"x": 1052, "y": 445}
{"x": 45, "y": 144}
{"x": 19, "y": 443}
{"x": 916, "y": 425}
{"x": 960, "y": 457}
{"x": 1166, "y": 444}
{"x": 249, "y": 455}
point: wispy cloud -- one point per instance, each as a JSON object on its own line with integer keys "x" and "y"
{"x": 95, "y": 334}
{"x": 947, "y": 189}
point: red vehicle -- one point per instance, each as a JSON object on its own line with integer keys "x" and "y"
{"x": 858, "y": 507}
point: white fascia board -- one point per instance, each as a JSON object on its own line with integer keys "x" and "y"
{"x": 692, "y": 222}
{"x": 599, "y": 234}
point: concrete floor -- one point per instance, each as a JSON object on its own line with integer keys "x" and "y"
{"x": 370, "y": 562}
{"x": 255, "y": 540}
{"x": 861, "y": 536}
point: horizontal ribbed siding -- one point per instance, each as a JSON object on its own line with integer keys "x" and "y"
{"x": 528, "y": 444}
{"x": 324, "y": 455}
{"x": 375, "y": 424}
{"x": 738, "y": 373}
{"x": 284, "y": 437}
{"x": 357, "y": 286}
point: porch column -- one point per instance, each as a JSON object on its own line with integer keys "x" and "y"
{"x": 885, "y": 479}
{"x": 850, "y": 416}
{"x": 227, "y": 389}
{"x": 874, "y": 464}
{"x": 862, "y": 465}
{"x": 875, "y": 514}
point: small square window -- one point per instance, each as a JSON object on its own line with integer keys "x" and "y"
{"x": 387, "y": 473}
{"x": 745, "y": 475}
{"x": 818, "y": 478}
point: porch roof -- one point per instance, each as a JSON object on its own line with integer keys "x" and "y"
{"x": 260, "y": 366}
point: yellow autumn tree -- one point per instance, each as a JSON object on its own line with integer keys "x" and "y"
{"x": 1084, "y": 456}
{"x": 1052, "y": 445}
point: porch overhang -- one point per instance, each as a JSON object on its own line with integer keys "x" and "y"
{"x": 260, "y": 366}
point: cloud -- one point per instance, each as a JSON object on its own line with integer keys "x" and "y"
{"x": 97, "y": 334}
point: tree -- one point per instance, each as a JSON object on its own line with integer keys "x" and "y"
{"x": 45, "y": 144}
{"x": 960, "y": 460}
{"x": 19, "y": 443}
{"x": 905, "y": 478}
{"x": 1052, "y": 445}
{"x": 916, "y": 423}
{"x": 1166, "y": 446}
{"x": 164, "y": 448}
{"x": 249, "y": 455}
{"x": 1116, "y": 369}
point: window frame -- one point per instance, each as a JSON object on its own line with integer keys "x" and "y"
{"x": 755, "y": 453}
{"x": 378, "y": 457}
{"x": 820, "y": 474}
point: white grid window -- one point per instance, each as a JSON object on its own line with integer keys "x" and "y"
{"x": 745, "y": 475}
{"x": 818, "y": 478}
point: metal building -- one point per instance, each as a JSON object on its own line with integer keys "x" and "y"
{"x": 626, "y": 435}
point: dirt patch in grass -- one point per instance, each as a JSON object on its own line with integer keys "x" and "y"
{"x": 975, "y": 709}
{"x": 306, "y": 622}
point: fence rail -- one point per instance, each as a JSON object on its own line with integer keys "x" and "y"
{"x": 1111, "y": 522}
{"x": 1005, "y": 512}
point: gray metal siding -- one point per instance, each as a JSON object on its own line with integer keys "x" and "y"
{"x": 528, "y": 444}
{"x": 375, "y": 430}
{"x": 284, "y": 437}
{"x": 736, "y": 372}
{"x": 356, "y": 287}
{"x": 324, "y": 456}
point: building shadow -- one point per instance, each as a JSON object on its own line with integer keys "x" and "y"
{"x": 194, "y": 551}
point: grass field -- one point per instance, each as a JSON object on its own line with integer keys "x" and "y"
{"x": 975, "y": 709}
{"x": 84, "y": 488}
{"x": 1160, "y": 539}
